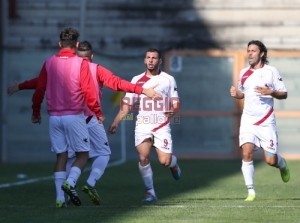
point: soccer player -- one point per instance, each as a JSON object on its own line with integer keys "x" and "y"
{"x": 100, "y": 150}
{"x": 67, "y": 81}
{"x": 153, "y": 120}
{"x": 258, "y": 85}
{"x": 99, "y": 143}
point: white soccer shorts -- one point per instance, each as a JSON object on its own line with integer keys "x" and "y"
{"x": 162, "y": 138}
{"x": 264, "y": 137}
{"x": 98, "y": 140}
{"x": 68, "y": 132}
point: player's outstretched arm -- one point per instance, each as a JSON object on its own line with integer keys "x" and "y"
{"x": 151, "y": 93}
{"x": 26, "y": 85}
{"x": 114, "y": 82}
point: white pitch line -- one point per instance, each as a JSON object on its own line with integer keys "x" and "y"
{"x": 29, "y": 181}
{"x": 35, "y": 180}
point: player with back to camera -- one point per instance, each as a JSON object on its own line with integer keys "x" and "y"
{"x": 67, "y": 82}
{"x": 258, "y": 85}
{"x": 100, "y": 150}
{"x": 153, "y": 120}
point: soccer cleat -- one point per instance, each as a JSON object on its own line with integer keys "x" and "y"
{"x": 176, "y": 172}
{"x": 150, "y": 198}
{"x": 69, "y": 190}
{"x": 251, "y": 197}
{"x": 60, "y": 204}
{"x": 93, "y": 194}
{"x": 285, "y": 173}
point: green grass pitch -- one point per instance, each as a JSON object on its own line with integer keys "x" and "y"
{"x": 210, "y": 191}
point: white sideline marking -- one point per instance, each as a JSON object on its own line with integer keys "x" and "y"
{"x": 35, "y": 180}
{"x": 30, "y": 181}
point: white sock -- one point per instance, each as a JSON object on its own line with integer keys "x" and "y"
{"x": 74, "y": 175}
{"x": 248, "y": 173}
{"x": 70, "y": 161}
{"x": 59, "y": 178}
{"x": 173, "y": 161}
{"x": 280, "y": 162}
{"x": 94, "y": 176}
{"x": 98, "y": 167}
{"x": 147, "y": 176}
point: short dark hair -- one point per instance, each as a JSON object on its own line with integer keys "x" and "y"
{"x": 69, "y": 37}
{"x": 84, "y": 49}
{"x": 262, "y": 48}
{"x": 153, "y": 50}
{"x": 85, "y": 46}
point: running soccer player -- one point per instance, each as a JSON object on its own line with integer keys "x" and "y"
{"x": 153, "y": 120}
{"x": 259, "y": 84}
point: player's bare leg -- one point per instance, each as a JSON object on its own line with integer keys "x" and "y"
{"x": 169, "y": 160}
{"x": 279, "y": 162}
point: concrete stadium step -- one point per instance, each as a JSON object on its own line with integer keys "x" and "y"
{"x": 117, "y": 21}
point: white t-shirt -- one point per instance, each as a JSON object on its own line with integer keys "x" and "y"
{"x": 259, "y": 109}
{"x": 151, "y": 113}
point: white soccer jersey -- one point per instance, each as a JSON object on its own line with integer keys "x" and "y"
{"x": 258, "y": 110}
{"x": 151, "y": 115}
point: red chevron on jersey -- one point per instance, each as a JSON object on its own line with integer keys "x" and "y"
{"x": 246, "y": 75}
{"x": 142, "y": 80}
{"x": 265, "y": 117}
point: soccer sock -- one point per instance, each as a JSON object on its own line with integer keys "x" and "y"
{"x": 98, "y": 167}
{"x": 73, "y": 176}
{"x": 147, "y": 176}
{"x": 59, "y": 178}
{"x": 173, "y": 161}
{"x": 250, "y": 189}
{"x": 248, "y": 173}
{"x": 280, "y": 162}
{"x": 70, "y": 161}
